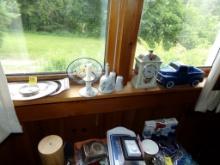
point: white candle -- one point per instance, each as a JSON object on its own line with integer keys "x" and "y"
{"x": 88, "y": 70}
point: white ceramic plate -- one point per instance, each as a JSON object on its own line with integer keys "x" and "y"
{"x": 46, "y": 88}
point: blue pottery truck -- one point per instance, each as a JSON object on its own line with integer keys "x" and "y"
{"x": 177, "y": 74}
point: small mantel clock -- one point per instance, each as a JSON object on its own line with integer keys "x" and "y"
{"x": 146, "y": 69}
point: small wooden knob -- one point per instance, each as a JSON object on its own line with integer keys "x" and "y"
{"x": 51, "y": 150}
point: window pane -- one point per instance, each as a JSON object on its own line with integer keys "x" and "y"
{"x": 45, "y": 36}
{"x": 179, "y": 30}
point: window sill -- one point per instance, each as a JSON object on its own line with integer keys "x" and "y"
{"x": 72, "y": 94}
{"x": 70, "y": 103}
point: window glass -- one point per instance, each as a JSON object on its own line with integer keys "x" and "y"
{"x": 45, "y": 36}
{"x": 179, "y": 30}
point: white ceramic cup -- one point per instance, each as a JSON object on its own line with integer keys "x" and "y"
{"x": 119, "y": 83}
{"x": 150, "y": 149}
{"x": 113, "y": 76}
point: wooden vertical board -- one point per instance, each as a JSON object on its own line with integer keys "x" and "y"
{"x": 82, "y": 127}
{"x": 127, "y": 21}
{"x": 128, "y": 119}
{"x": 50, "y": 127}
{"x": 168, "y": 112}
{"x": 34, "y": 135}
{"x": 111, "y": 120}
{"x": 140, "y": 117}
{"x": 20, "y": 148}
{"x": 133, "y": 10}
{"x": 115, "y": 32}
{"x": 113, "y": 16}
{"x": 6, "y": 151}
{"x": 29, "y": 157}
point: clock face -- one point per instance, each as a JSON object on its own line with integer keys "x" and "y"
{"x": 149, "y": 71}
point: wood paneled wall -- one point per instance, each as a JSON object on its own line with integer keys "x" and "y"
{"x": 94, "y": 118}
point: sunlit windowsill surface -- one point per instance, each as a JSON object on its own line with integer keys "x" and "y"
{"x": 72, "y": 94}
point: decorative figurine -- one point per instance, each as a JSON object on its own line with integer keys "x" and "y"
{"x": 88, "y": 90}
{"x": 146, "y": 69}
{"x": 177, "y": 73}
{"x": 106, "y": 83}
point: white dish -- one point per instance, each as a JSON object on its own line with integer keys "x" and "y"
{"x": 29, "y": 90}
{"x": 150, "y": 147}
{"x": 45, "y": 88}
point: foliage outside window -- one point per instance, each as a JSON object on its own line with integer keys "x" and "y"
{"x": 179, "y": 30}
{"x": 45, "y": 36}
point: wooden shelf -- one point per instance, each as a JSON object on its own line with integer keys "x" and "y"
{"x": 72, "y": 94}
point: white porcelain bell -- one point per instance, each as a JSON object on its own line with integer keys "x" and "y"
{"x": 106, "y": 83}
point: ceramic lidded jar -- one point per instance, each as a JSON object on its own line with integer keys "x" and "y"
{"x": 146, "y": 69}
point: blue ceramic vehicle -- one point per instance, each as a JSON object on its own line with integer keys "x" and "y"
{"x": 176, "y": 74}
